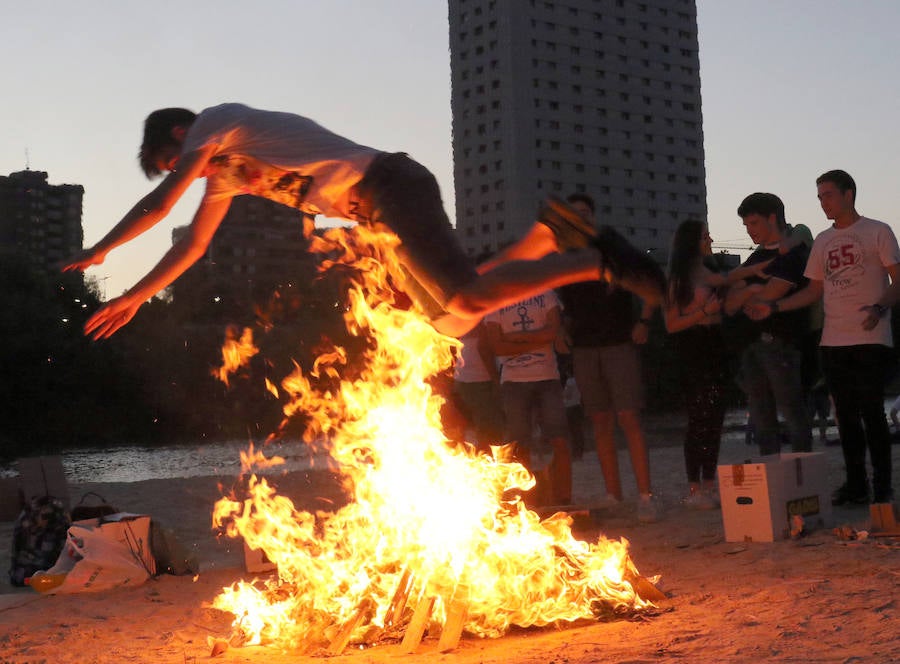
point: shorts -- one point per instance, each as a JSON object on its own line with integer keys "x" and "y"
{"x": 609, "y": 377}
{"x": 404, "y": 196}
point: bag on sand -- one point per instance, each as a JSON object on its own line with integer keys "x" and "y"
{"x": 39, "y": 535}
{"x": 105, "y": 553}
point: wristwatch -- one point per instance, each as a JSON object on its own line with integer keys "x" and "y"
{"x": 773, "y": 305}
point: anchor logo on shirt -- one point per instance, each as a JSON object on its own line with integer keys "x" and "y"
{"x": 524, "y": 321}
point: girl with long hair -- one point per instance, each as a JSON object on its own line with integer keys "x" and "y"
{"x": 694, "y": 319}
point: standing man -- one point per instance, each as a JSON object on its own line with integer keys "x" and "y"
{"x": 856, "y": 265}
{"x": 522, "y": 336}
{"x": 606, "y": 336}
{"x": 771, "y": 363}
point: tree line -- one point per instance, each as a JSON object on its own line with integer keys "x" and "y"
{"x": 152, "y": 382}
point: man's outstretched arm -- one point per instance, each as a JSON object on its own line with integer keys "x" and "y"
{"x": 180, "y": 256}
{"x": 150, "y": 210}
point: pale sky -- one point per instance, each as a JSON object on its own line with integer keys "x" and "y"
{"x": 791, "y": 88}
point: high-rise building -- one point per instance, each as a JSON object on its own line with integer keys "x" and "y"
{"x": 559, "y": 96}
{"x": 40, "y": 220}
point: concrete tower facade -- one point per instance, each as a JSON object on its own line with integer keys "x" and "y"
{"x": 554, "y": 97}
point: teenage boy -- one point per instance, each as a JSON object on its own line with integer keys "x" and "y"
{"x": 770, "y": 367}
{"x": 855, "y": 265}
{"x": 297, "y": 162}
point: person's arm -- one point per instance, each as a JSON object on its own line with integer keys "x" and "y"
{"x": 486, "y": 354}
{"x": 759, "y": 309}
{"x": 640, "y": 332}
{"x": 180, "y": 256}
{"x": 678, "y": 320}
{"x": 149, "y": 211}
{"x": 738, "y": 295}
{"x": 882, "y": 306}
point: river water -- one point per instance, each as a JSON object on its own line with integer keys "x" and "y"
{"x": 134, "y": 464}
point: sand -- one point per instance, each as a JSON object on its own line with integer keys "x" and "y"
{"x": 816, "y": 599}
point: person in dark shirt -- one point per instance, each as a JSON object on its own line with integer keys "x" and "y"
{"x": 605, "y": 336}
{"x": 770, "y": 368}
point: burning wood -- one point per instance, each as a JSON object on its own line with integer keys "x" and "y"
{"x": 427, "y": 520}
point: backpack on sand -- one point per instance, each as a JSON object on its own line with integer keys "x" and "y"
{"x": 39, "y": 535}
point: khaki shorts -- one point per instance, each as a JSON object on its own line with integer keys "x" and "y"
{"x": 609, "y": 377}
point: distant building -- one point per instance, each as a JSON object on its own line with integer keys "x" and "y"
{"x": 553, "y": 97}
{"x": 40, "y": 220}
{"x": 258, "y": 247}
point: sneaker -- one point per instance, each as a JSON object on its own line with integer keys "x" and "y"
{"x": 627, "y": 266}
{"x": 648, "y": 510}
{"x": 843, "y": 495}
{"x": 608, "y": 502}
{"x": 571, "y": 230}
{"x": 700, "y": 501}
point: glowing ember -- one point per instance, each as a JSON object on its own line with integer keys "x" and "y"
{"x": 427, "y": 522}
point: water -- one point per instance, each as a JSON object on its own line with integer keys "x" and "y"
{"x": 135, "y": 464}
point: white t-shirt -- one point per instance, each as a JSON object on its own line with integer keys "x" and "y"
{"x": 524, "y": 316}
{"x": 852, "y": 264}
{"x": 280, "y": 156}
{"x": 469, "y": 366}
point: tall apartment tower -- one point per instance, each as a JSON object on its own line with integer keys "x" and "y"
{"x": 559, "y": 96}
{"x": 40, "y": 220}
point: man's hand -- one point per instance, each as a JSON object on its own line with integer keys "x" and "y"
{"x": 640, "y": 333}
{"x": 874, "y": 313}
{"x": 113, "y": 315}
{"x": 83, "y": 260}
{"x": 758, "y": 310}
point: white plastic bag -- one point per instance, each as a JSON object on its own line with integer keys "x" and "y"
{"x": 106, "y": 554}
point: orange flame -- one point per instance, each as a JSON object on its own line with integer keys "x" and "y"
{"x": 449, "y": 517}
{"x": 236, "y": 352}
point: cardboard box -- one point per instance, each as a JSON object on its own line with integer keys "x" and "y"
{"x": 760, "y": 497}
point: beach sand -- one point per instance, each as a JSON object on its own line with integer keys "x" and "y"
{"x": 816, "y": 599}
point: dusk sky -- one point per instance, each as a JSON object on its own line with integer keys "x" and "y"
{"x": 790, "y": 88}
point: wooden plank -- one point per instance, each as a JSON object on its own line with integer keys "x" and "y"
{"x": 457, "y": 611}
{"x": 342, "y": 638}
{"x": 398, "y": 601}
{"x": 416, "y": 629}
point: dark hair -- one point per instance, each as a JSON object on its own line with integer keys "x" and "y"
{"x": 764, "y": 204}
{"x": 581, "y": 197}
{"x": 684, "y": 257}
{"x": 158, "y": 135}
{"x": 841, "y": 180}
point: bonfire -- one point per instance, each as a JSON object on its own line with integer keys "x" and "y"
{"x": 435, "y": 537}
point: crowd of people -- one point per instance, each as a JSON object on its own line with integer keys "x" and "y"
{"x": 799, "y": 325}
{"x": 567, "y": 288}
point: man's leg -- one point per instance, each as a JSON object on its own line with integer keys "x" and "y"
{"x": 783, "y": 368}
{"x": 838, "y": 368}
{"x": 554, "y": 428}
{"x": 872, "y": 362}
{"x": 630, "y": 423}
{"x": 604, "y": 423}
{"x": 596, "y": 401}
{"x": 760, "y": 400}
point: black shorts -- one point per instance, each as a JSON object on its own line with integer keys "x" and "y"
{"x": 403, "y": 195}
